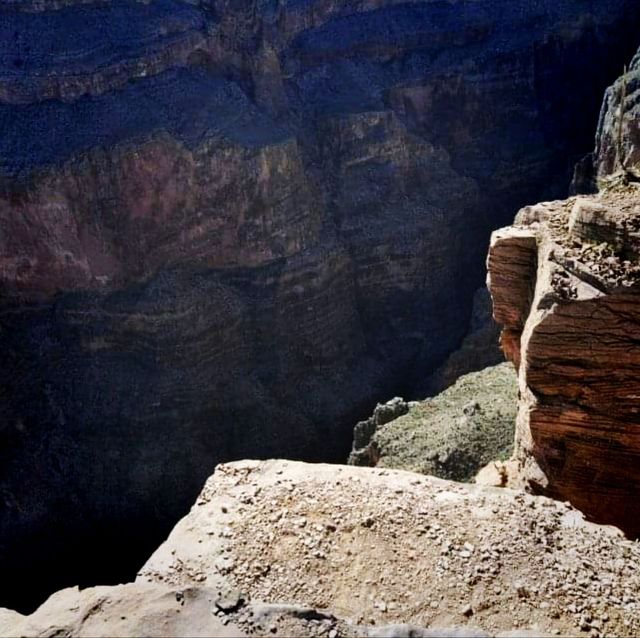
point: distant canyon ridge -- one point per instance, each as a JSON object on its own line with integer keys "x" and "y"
{"x": 227, "y": 228}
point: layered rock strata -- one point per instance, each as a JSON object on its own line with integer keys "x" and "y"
{"x": 566, "y": 285}
{"x": 227, "y": 228}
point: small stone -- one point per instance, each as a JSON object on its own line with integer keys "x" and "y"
{"x": 229, "y": 602}
{"x": 467, "y": 611}
{"x": 333, "y": 634}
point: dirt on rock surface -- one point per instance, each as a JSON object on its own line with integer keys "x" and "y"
{"x": 377, "y": 547}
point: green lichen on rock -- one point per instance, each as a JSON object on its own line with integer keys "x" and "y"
{"x": 456, "y": 433}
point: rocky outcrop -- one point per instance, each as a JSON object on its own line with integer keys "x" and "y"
{"x": 617, "y": 153}
{"x": 365, "y": 451}
{"x": 451, "y": 435}
{"x": 290, "y": 533}
{"x": 123, "y": 610}
{"x": 618, "y": 130}
{"x": 228, "y": 228}
{"x": 566, "y": 286}
{"x": 286, "y": 548}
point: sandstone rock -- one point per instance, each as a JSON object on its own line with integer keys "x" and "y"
{"x": 569, "y": 571}
{"x": 513, "y": 540}
{"x": 409, "y": 631}
{"x": 576, "y": 345}
{"x": 228, "y": 228}
{"x": 123, "y": 610}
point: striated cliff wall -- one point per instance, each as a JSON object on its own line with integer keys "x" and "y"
{"x": 565, "y": 282}
{"x": 227, "y": 228}
{"x": 566, "y": 286}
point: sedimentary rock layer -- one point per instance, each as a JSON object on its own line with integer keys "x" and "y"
{"x": 227, "y": 228}
{"x": 576, "y": 341}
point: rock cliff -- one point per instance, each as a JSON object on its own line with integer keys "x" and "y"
{"x": 618, "y": 130}
{"x": 566, "y": 286}
{"x": 565, "y": 282}
{"x": 227, "y": 228}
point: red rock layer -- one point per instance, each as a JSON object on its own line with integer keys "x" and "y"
{"x": 578, "y": 351}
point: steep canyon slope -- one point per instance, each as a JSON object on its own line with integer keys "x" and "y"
{"x": 227, "y": 228}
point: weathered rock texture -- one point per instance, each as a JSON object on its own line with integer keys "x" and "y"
{"x": 290, "y": 549}
{"x": 122, "y": 611}
{"x": 617, "y": 149}
{"x": 227, "y": 228}
{"x": 451, "y": 435}
{"x": 566, "y": 286}
{"x": 385, "y": 546}
{"x": 618, "y": 137}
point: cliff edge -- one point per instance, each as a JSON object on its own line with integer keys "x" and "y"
{"x": 291, "y": 549}
{"x": 565, "y": 281}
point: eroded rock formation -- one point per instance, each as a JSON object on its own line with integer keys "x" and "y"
{"x": 619, "y": 127}
{"x": 291, "y": 549}
{"x": 565, "y": 281}
{"x": 566, "y": 286}
{"x": 451, "y": 435}
{"x": 227, "y": 228}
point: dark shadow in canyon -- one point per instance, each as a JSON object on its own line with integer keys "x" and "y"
{"x": 116, "y": 406}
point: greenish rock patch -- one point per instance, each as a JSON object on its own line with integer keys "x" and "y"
{"x": 454, "y": 434}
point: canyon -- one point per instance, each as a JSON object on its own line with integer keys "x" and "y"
{"x": 228, "y": 228}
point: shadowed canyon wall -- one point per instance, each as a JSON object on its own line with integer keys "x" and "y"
{"x": 228, "y": 228}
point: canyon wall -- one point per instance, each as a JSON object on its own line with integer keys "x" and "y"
{"x": 566, "y": 286}
{"x": 227, "y": 228}
{"x": 565, "y": 282}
